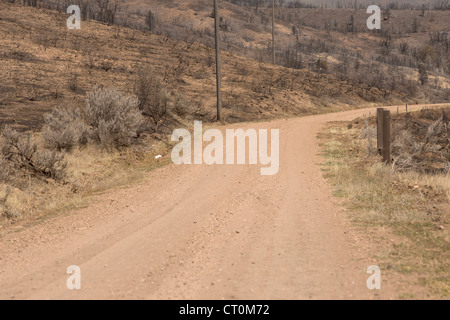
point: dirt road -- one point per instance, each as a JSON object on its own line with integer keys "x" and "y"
{"x": 202, "y": 232}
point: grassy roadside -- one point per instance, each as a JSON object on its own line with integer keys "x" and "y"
{"x": 91, "y": 171}
{"x": 407, "y": 214}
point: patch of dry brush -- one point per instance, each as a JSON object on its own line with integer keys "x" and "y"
{"x": 427, "y": 152}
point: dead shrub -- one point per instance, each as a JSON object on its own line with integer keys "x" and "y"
{"x": 182, "y": 106}
{"x": 404, "y": 47}
{"x": 114, "y": 119}
{"x": 89, "y": 60}
{"x": 224, "y": 24}
{"x": 106, "y": 65}
{"x": 5, "y": 210}
{"x": 50, "y": 164}
{"x": 65, "y": 129}
{"x": 23, "y": 153}
{"x": 258, "y": 87}
{"x": 152, "y": 95}
{"x": 6, "y": 170}
{"x": 73, "y": 83}
{"x": 321, "y": 66}
{"x": 404, "y": 149}
{"x": 261, "y": 56}
{"x": 409, "y": 153}
{"x": 434, "y": 131}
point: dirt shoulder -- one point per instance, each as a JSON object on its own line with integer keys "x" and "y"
{"x": 404, "y": 213}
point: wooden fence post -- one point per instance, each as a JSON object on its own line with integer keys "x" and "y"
{"x": 380, "y": 130}
{"x": 387, "y": 137}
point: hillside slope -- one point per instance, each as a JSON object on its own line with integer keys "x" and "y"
{"x": 46, "y": 65}
{"x": 323, "y": 40}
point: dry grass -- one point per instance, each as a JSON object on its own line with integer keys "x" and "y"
{"x": 414, "y": 208}
{"x": 90, "y": 171}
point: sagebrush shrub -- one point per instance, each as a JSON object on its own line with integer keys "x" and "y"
{"x": 5, "y": 210}
{"x": 50, "y": 164}
{"x": 408, "y": 152}
{"x": 183, "y": 106}
{"x": 152, "y": 95}
{"x": 405, "y": 149}
{"x": 114, "y": 119}
{"x": 65, "y": 129}
{"x": 16, "y": 149}
{"x": 23, "y": 153}
{"x": 436, "y": 129}
{"x": 369, "y": 133}
{"x": 5, "y": 170}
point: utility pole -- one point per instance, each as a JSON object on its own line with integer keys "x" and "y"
{"x": 218, "y": 60}
{"x": 273, "y": 31}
